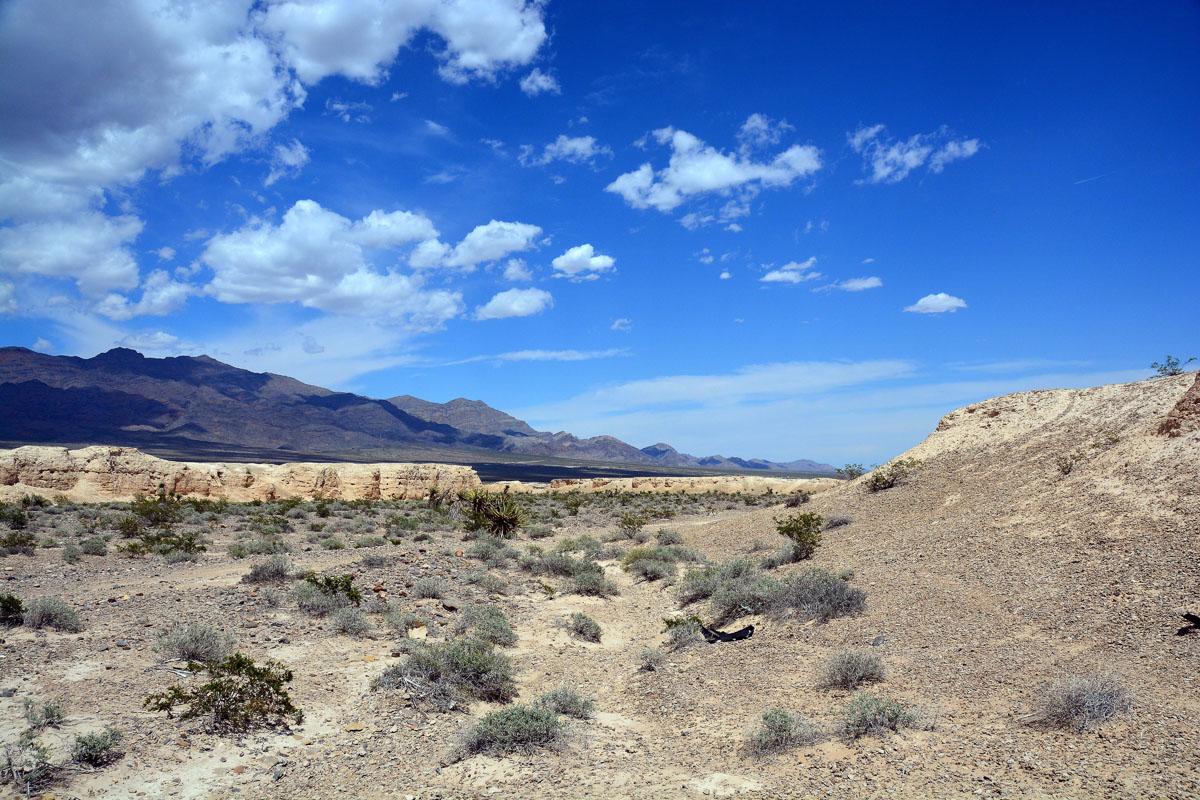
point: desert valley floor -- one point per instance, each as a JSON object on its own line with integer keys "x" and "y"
{"x": 1044, "y": 534}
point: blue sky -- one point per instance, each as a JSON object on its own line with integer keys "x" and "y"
{"x": 780, "y": 231}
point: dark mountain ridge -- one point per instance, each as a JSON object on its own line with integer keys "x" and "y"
{"x": 123, "y": 397}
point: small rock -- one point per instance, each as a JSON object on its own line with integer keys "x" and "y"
{"x": 879, "y": 640}
{"x": 355, "y": 726}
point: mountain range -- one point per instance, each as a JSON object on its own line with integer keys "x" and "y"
{"x": 196, "y": 403}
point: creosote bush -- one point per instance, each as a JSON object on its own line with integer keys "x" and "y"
{"x": 850, "y": 669}
{"x": 239, "y": 695}
{"x": 43, "y": 713}
{"x": 51, "y": 612}
{"x": 1082, "y": 702}
{"x": 804, "y": 531}
{"x": 882, "y": 478}
{"x": 567, "y": 702}
{"x": 779, "y": 732}
{"x": 516, "y": 729}
{"x": 584, "y": 627}
{"x": 195, "y": 641}
{"x": 12, "y": 610}
{"x": 98, "y": 749}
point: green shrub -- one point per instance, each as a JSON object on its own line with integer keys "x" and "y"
{"x": 804, "y": 531}
{"x": 882, "y": 478}
{"x": 98, "y": 749}
{"x": 72, "y": 554}
{"x": 1082, "y": 702}
{"x": 779, "y": 732}
{"x": 43, "y": 713}
{"x": 864, "y": 715}
{"x": 682, "y": 632}
{"x": 567, "y": 702}
{"x": 51, "y": 612}
{"x": 448, "y": 673}
{"x": 666, "y": 537}
{"x": 851, "y": 471}
{"x": 271, "y": 569}
{"x": 629, "y": 525}
{"x": 339, "y": 585}
{"x": 517, "y": 729}
{"x": 94, "y": 546}
{"x": 370, "y": 541}
{"x": 488, "y": 623}
{"x": 350, "y": 621}
{"x": 591, "y": 584}
{"x": 850, "y": 669}
{"x": 239, "y": 695}
{"x": 195, "y": 641}
{"x": 584, "y": 627}
{"x": 333, "y": 543}
{"x": 500, "y": 515}
{"x": 813, "y": 594}
{"x": 699, "y": 584}
{"x": 12, "y": 611}
{"x": 1170, "y": 366}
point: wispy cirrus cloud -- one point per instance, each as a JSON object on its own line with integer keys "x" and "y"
{"x": 542, "y": 355}
{"x": 888, "y": 160}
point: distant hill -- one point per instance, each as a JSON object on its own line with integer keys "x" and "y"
{"x": 122, "y": 397}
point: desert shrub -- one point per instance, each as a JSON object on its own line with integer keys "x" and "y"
{"x": 779, "y": 732}
{"x": 337, "y": 585}
{"x": 98, "y": 749}
{"x": 267, "y": 545}
{"x": 559, "y": 564}
{"x": 591, "y": 584}
{"x": 540, "y": 531}
{"x": 429, "y": 587}
{"x": 94, "y": 546}
{"x": 43, "y": 713}
{"x": 180, "y": 557}
{"x": 488, "y": 623}
{"x": 804, "y": 531}
{"x": 1082, "y": 702}
{"x": 350, "y": 621}
{"x": 492, "y": 550}
{"x": 572, "y": 502}
{"x": 517, "y": 729}
{"x": 370, "y": 541}
{"x": 18, "y": 540}
{"x": 844, "y": 574}
{"x": 837, "y": 521}
{"x": 311, "y": 600}
{"x": 488, "y": 582}
{"x": 14, "y": 517}
{"x": 629, "y": 525}
{"x": 882, "y": 478}
{"x": 797, "y": 499}
{"x": 272, "y": 569}
{"x": 448, "y": 673}
{"x": 682, "y": 632}
{"x": 237, "y": 551}
{"x": 51, "y": 612}
{"x": 699, "y": 584}
{"x": 375, "y": 560}
{"x": 1170, "y": 366}
{"x": 1065, "y": 462}
{"x": 864, "y": 714}
{"x": 195, "y": 641}
{"x": 851, "y": 471}
{"x": 48, "y": 542}
{"x": 584, "y": 627}
{"x": 27, "y": 764}
{"x": 567, "y": 702}
{"x": 72, "y": 554}
{"x": 651, "y": 659}
{"x": 239, "y": 695}
{"x": 813, "y": 594}
{"x": 849, "y": 669}
{"x": 333, "y": 543}
{"x": 591, "y": 547}
{"x": 12, "y": 611}
{"x": 668, "y": 537}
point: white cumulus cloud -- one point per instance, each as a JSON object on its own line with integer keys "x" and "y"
{"x": 515, "y": 303}
{"x": 160, "y": 296}
{"x": 793, "y": 272}
{"x": 537, "y": 82}
{"x": 696, "y": 169}
{"x": 491, "y": 242}
{"x": 288, "y": 160}
{"x": 516, "y": 271}
{"x": 622, "y": 324}
{"x": 936, "y": 304}
{"x": 573, "y": 149}
{"x": 888, "y": 160}
{"x": 858, "y": 284}
{"x": 319, "y": 259}
{"x": 582, "y": 264}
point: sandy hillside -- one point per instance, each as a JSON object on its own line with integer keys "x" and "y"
{"x": 988, "y": 572}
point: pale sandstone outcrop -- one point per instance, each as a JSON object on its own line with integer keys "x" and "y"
{"x": 119, "y": 473}
{"x": 732, "y": 484}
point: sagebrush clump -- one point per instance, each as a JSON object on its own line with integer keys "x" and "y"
{"x": 779, "y": 731}
{"x": 98, "y": 749}
{"x": 567, "y": 702}
{"x": 865, "y": 714}
{"x": 195, "y": 641}
{"x": 850, "y": 669}
{"x": 516, "y": 729}
{"x": 584, "y": 627}
{"x": 51, "y": 612}
{"x": 1081, "y": 702}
